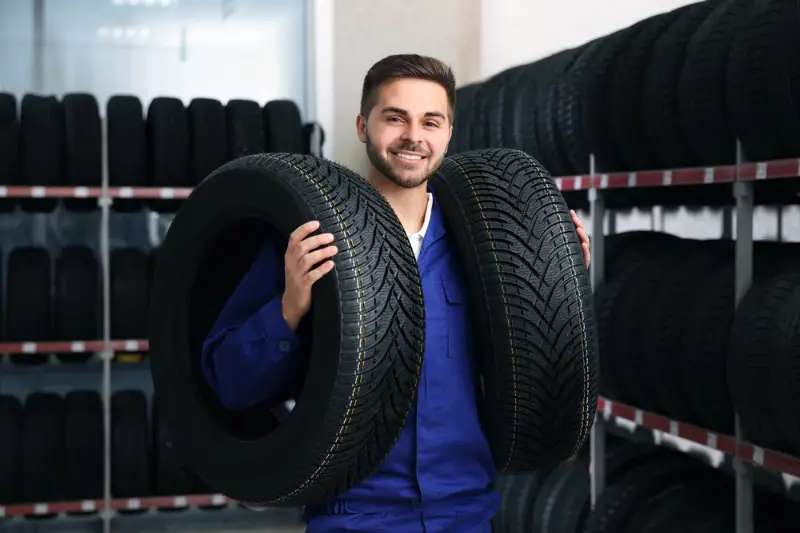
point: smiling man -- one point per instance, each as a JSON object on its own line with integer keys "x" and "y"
{"x": 439, "y": 475}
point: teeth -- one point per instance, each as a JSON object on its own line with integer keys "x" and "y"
{"x": 410, "y": 157}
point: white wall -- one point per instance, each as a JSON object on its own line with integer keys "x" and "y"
{"x": 520, "y": 31}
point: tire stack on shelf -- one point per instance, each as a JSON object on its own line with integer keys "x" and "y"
{"x": 52, "y": 160}
{"x": 649, "y": 489}
{"x": 688, "y": 108}
{"x": 672, "y": 91}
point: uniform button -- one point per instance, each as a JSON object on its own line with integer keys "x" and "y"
{"x": 284, "y": 346}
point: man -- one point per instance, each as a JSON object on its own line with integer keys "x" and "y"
{"x": 439, "y": 475}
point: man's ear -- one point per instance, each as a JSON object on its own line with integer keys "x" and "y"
{"x": 361, "y": 127}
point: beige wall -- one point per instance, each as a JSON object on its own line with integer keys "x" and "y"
{"x": 366, "y": 30}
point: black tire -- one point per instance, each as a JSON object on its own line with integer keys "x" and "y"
{"x": 29, "y": 300}
{"x": 530, "y": 288}
{"x": 127, "y": 147}
{"x": 9, "y": 147}
{"x": 41, "y": 148}
{"x": 83, "y": 147}
{"x": 11, "y": 450}
{"x": 130, "y": 281}
{"x": 659, "y": 101}
{"x": 208, "y": 138}
{"x": 628, "y": 130}
{"x": 168, "y": 154}
{"x": 131, "y": 454}
{"x": 83, "y": 445}
{"x": 170, "y": 476}
{"x": 303, "y": 462}
{"x": 701, "y": 88}
{"x": 581, "y": 107}
{"x": 460, "y": 142}
{"x": 245, "y": 128}
{"x": 635, "y": 488}
{"x": 43, "y": 448}
{"x": 752, "y": 101}
{"x": 757, "y": 377}
{"x": 283, "y": 127}
{"x": 78, "y": 301}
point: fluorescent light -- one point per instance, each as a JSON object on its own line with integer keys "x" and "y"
{"x": 119, "y": 32}
{"x": 148, "y": 3}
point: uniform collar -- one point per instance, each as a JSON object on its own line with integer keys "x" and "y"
{"x": 435, "y": 224}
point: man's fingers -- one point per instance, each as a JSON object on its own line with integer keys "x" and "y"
{"x": 315, "y": 242}
{"x": 578, "y": 222}
{"x": 314, "y": 275}
{"x": 316, "y": 256}
{"x": 302, "y": 232}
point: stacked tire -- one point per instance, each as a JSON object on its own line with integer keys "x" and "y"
{"x": 52, "y": 449}
{"x": 60, "y": 298}
{"x": 648, "y": 488}
{"x": 673, "y": 341}
{"x": 46, "y": 141}
{"x": 674, "y": 90}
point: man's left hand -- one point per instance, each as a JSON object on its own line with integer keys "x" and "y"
{"x": 584, "y": 237}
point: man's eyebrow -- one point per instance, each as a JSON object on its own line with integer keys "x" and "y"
{"x": 401, "y": 111}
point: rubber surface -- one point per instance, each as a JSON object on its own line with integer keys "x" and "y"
{"x": 356, "y": 396}
{"x": 528, "y": 283}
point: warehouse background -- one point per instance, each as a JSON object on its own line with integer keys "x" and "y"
{"x": 313, "y": 53}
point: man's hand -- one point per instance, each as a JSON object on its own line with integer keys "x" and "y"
{"x": 302, "y": 254}
{"x": 584, "y": 237}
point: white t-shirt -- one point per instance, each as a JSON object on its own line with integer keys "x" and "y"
{"x": 416, "y": 238}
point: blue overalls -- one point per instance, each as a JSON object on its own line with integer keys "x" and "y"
{"x": 438, "y": 477}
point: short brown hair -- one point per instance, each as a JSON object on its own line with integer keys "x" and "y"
{"x": 406, "y": 66}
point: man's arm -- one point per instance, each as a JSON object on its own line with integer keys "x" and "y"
{"x": 250, "y": 354}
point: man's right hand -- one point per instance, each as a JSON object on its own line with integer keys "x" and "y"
{"x": 302, "y": 254}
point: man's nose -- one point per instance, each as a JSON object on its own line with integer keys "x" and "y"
{"x": 412, "y": 133}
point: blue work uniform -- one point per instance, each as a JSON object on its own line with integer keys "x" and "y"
{"x": 440, "y": 474}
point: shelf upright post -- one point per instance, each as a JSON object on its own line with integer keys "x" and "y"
{"x": 743, "y": 194}
{"x": 107, "y": 354}
{"x": 597, "y": 438}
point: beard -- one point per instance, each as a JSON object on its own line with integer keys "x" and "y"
{"x": 408, "y": 179}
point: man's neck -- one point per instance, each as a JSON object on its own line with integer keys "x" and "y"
{"x": 408, "y": 204}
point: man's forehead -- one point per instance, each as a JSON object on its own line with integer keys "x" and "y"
{"x": 413, "y": 97}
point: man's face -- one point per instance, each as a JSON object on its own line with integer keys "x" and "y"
{"x": 407, "y": 131}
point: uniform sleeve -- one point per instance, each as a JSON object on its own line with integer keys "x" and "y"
{"x": 249, "y": 356}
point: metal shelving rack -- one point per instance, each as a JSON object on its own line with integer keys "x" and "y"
{"x": 746, "y": 456}
{"x": 742, "y": 176}
{"x": 106, "y": 507}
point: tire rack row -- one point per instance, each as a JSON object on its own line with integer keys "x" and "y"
{"x": 742, "y": 176}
